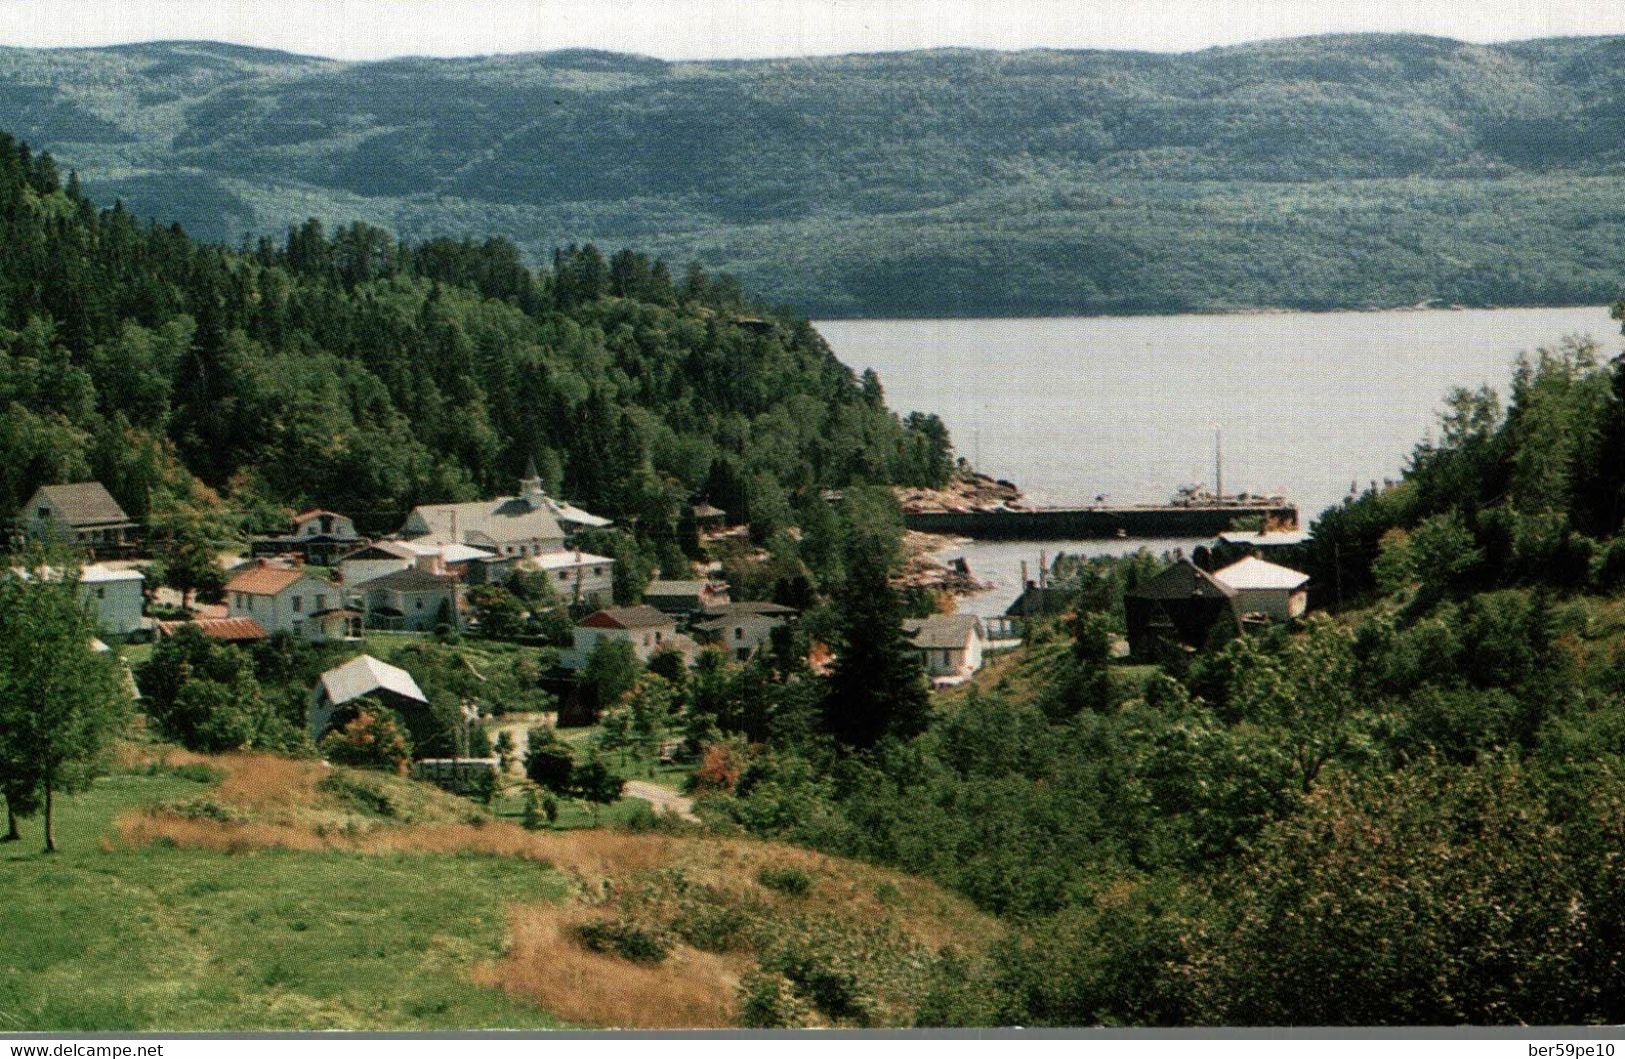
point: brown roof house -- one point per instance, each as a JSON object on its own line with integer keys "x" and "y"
{"x": 1182, "y": 608}
{"x": 648, "y": 631}
{"x": 226, "y": 630}
{"x": 82, "y": 513}
{"x": 292, "y": 601}
{"x": 412, "y": 600}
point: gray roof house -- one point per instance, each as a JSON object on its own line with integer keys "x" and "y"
{"x": 412, "y": 600}
{"x": 82, "y": 513}
{"x": 531, "y": 523}
{"x": 741, "y": 629}
{"x": 686, "y": 597}
{"x": 360, "y": 677}
{"x": 950, "y": 646}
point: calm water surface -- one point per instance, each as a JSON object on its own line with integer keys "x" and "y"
{"x": 1127, "y": 407}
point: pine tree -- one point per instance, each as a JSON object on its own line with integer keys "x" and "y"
{"x": 878, "y": 687}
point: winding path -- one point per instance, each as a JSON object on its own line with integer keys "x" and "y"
{"x": 662, "y": 799}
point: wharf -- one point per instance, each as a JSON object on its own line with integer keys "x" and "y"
{"x": 1100, "y": 523}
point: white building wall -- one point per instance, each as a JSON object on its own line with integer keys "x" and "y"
{"x": 278, "y": 613}
{"x": 117, "y": 605}
{"x": 645, "y": 642}
{"x": 1279, "y": 604}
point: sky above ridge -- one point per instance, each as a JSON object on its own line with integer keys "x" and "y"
{"x": 719, "y": 29}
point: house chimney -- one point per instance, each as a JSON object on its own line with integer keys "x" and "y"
{"x": 530, "y": 486}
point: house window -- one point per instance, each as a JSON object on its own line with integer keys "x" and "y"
{"x": 298, "y": 604}
{"x": 44, "y": 513}
{"x": 420, "y": 604}
{"x": 101, "y": 593}
{"x": 321, "y": 602}
{"x": 598, "y": 571}
{"x": 739, "y": 632}
{"x": 564, "y": 575}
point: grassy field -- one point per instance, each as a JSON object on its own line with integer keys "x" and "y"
{"x": 248, "y": 892}
{"x": 103, "y": 936}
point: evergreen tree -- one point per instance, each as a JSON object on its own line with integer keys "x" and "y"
{"x": 877, "y": 688}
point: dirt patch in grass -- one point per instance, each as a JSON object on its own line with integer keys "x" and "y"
{"x": 863, "y": 934}
{"x": 547, "y": 963}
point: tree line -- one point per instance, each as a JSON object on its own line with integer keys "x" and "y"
{"x": 221, "y": 388}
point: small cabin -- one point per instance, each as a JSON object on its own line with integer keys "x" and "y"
{"x": 1183, "y": 608}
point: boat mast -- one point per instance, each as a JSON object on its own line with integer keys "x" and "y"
{"x": 1218, "y": 462}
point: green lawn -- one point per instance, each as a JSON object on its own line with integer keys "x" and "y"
{"x": 172, "y": 940}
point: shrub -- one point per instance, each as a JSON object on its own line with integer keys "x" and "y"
{"x": 548, "y": 762}
{"x": 626, "y": 940}
{"x": 533, "y": 818}
{"x": 770, "y": 1001}
{"x": 712, "y": 927}
{"x": 826, "y": 980}
{"x": 792, "y": 882}
{"x": 361, "y": 793}
{"x": 371, "y": 740}
{"x": 195, "y": 771}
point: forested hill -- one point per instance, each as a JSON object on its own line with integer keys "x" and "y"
{"x": 364, "y": 375}
{"x": 1318, "y": 172}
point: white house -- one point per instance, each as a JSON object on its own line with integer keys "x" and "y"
{"x": 531, "y": 523}
{"x": 320, "y": 536}
{"x": 950, "y": 646}
{"x": 375, "y": 560}
{"x": 316, "y": 523}
{"x": 290, "y": 601}
{"x": 112, "y": 595}
{"x": 116, "y": 596}
{"x": 412, "y": 600}
{"x": 577, "y": 577}
{"x": 648, "y": 631}
{"x": 742, "y": 629}
{"x": 1264, "y": 588}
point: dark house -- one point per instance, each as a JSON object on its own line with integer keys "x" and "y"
{"x": 1037, "y": 601}
{"x": 1182, "y": 608}
{"x": 319, "y": 537}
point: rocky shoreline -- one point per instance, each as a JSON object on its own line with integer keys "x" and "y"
{"x": 967, "y": 492}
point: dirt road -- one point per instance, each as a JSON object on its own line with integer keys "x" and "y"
{"x": 663, "y": 799}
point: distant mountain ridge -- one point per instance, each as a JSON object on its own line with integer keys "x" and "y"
{"x": 1307, "y": 173}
